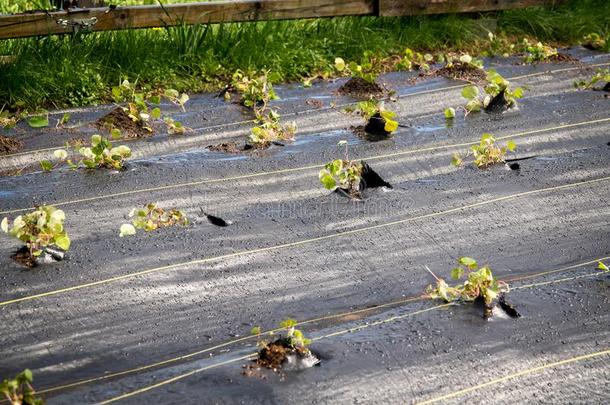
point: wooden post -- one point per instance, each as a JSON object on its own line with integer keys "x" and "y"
{"x": 417, "y": 7}
{"x": 106, "y": 19}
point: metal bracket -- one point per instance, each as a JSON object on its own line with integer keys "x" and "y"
{"x": 78, "y": 24}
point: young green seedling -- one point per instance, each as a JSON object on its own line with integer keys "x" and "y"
{"x": 269, "y": 129}
{"x": 254, "y": 92}
{"x": 152, "y": 217}
{"x": 596, "y": 42}
{"x": 601, "y": 76}
{"x": 497, "y": 94}
{"x": 366, "y": 70}
{"x": 479, "y": 283}
{"x": 373, "y": 111}
{"x": 19, "y": 390}
{"x": 290, "y": 341}
{"x": 537, "y": 52}
{"x": 343, "y": 174}
{"x": 100, "y": 154}
{"x": 414, "y": 60}
{"x": 485, "y": 153}
{"x": 42, "y": 228}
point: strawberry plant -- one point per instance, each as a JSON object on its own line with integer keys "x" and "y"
{"x": 39, "y": 229}
{"x": 136, "y": 105}
{"x": 414, "y": 60}
{"x": 479, "y": 284}
{"x": 596, "y": 42}
{"x": 366, "y": 70}
{"x": 253, "y": 92}
{"x": 343, "y": 174}
{"x": 19, "y": 390}
{"x": 100, "y": 154}
{"x": 486, "y": 153}
{"x": 291, "y": 342}
{"x": 377, "y": 118}
{"x": 537, "y": 52}
{"x": 497, "y": 94}
{"x": 152, "y": 217}
{"x": 601, "y": 76}
{"x": 269, "y": 129}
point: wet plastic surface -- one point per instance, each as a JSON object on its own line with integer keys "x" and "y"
{"x": 295, "y": 250}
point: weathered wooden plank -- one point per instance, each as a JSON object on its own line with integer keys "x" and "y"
{"x": 419, "y": 7}
{"x": 105, "y": 19}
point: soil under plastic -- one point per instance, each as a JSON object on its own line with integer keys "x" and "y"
{"x": 9, "y": 145}
{"x": 360, "y": 88}
{"x": 120, "y": 120}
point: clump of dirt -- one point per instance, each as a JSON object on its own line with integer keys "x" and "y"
{"x": 281, "y": 355}
{"x": 360, "y": 88}
{"x": 314, "y": 103}
{"x": 23, "y": 256}
{"x": 461, "y": 71}
{"x": 9, "y": 145}
{"x": 119, "y": 119}
{"x": 48, "y": 255}
{"x": 228, "y": 147}
{"x": 564, "y": 57}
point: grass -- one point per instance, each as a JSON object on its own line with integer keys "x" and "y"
{"x": 64, "y": 71}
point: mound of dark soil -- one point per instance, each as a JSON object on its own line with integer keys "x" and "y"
{"x": 564, "y": 57}
{"x": 120, "y": 120}
{"x": 228, "y": 147}
{"x": 23, "y": 256}
{"x": 360, "y": 88}
{"x": 9, "y": 145}
{"x": 462, "y": 71}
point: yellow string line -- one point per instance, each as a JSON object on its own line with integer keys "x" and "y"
{"x": 515, "y": 375}
{"x": 561, "y": 280}
{"x": 177, "y": 378}
{"x": 520, "y": 278}
{"x": 219, "y": 346}
{"x": 301, "y": 242}
{"x": 367, "y": 325}
{"x": 305, "y": 322}
{"x": 190, "y": 373}
{"x": 35, "y": 151}
{"x": 311, "y": 167}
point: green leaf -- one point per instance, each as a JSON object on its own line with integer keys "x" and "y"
{"x": 64, "y": 119}
{"x": 470, "y": 92}
{"x": 255, "y": 330}
{"x": 63, "y": 242}
{"x": 115, "y": 133}
{"x": 328, "y": 182}
{"x": 518, "y": 92}
{"x": 127, "y": 230}
{"x": 39, "y": 122}
{"x": 46, "y": 165}
{"x": 4, "y": 225}
{"x": 156, "y": 113}
{"x": 288, "y": 323}
{"x": 457, "y": 273}
{"x": 27, "y": 374}
{"x": 600, "y": 266}
{"x": 468, "y": 262}
{"x": 96, "y": 140}
{"x": 450, "y": 112}
{"x": 339, "y": 64}
{"x": 390, "y": 125}
{"x": 456, "y": 160}
{"x": 61, "y": 154}
{"x": 511, "y": 145}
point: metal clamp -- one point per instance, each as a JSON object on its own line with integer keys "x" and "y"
{"x": 78, "y": 24}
